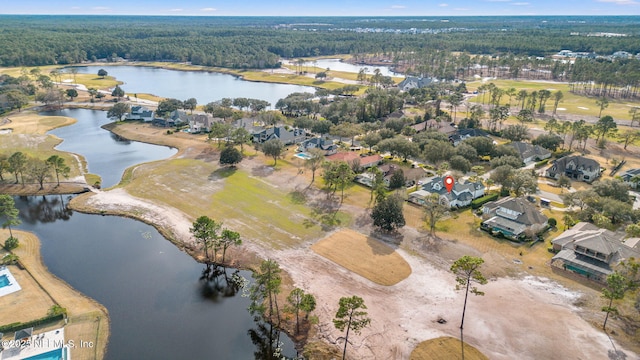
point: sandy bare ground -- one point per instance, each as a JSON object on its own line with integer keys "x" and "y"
{"x": 525, "y": 318}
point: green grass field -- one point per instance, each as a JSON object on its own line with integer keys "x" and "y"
{"x": 248, "y": 204}
{"x": 574, "y": 104}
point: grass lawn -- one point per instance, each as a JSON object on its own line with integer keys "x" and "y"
{"x": 29, "y": 136}
{"x": 574, "y": 104}
{"x": 445, "y": 348}
{"x": 248, "y": 204}
{"x": 288, "y": 79}
{"x": 364, "y": 256}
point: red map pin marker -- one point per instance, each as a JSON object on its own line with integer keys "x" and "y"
{"x": 448, "y": 182}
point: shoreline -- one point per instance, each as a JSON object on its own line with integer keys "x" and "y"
{"x": 82, "y": 310}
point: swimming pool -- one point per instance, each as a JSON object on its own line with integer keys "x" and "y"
{"x": 303, "y": 155}
{"x": 4, "y": 281}
{"x": 57, "y": 354}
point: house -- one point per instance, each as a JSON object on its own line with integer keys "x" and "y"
{"x": 575, "y": 167}
{"x": 412, "y": 82}
{"x": 285, "y": 134}
{"x": 592, "y": 252}
{"x": 201, "y": 123}
{"x": 327, "y": 146}
{"x": 514, "y": 218}
{"x": 461, "y": 194}
{"x": 529, "y": 153}
{"x": 462, "y": 134}
{"x": 441, "y": 126}
{"x": 419, "y": 127}
{"x": 627, "y": 177}
{"x": 140, "y": 113}
{"x": 411, "y": 175}
{"x": 352, "y": 157}
{"x": 23, "y": 335}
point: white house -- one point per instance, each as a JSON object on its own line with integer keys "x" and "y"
{"x": 575, "y": 167}
{"x": 140, "y": 113}
{"x": 461, "y": 194}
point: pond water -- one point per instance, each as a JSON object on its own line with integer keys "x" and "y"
{"x": 107, "y": 154}
{"x": 160, "y": 303}
{"x": 203, "y": 86}
{"x": 338, "y": 65}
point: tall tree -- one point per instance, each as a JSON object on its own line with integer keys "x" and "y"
{"x": 467, "y": 272}
{"x": 300, "y": 301}
{"x": 433, "y": 211}
{"x": 118, "y": 110}
{"x": 117, "y": 92}
{"x": 59, "y": 167}
{"x": 190, "y": 104}
{"x": 273, "y": 148}
{"x": 229, "y": 238}
{"x": 230, "y": 156}
{"x": 602, "y": 103}
{"x": 351, "y": 315}
{"x": 72, "y": 93}
{"x": 102, "y": 73}
{"x": 617, "y": 286}
{"x": 557, "y": 97}
{"x": 8, "y": 213}
{"x": 604, "y": 126}
{"x": 314, "y": 162}
{"x": 39, "y": 170}
{"x": 17, "y": 165}
{"x": 205, "y": 231}
{"x": 266, "y": 287}
{"x": 387, "y": 214}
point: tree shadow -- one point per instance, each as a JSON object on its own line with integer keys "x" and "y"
{"x": 298, "y": 197}
{"x": 208, "y": 155}
{"x": 262, "y": 171}
{"x": 392, "y": 238}
{"x": 223, "y": 173}
{"x": 217, "y": 282}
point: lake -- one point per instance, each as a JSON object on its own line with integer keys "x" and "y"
{"x": 336, "y": 64}
{"x": 107, "y": 154}
{"x": 203, "y": 86}
{"x": 159, "y": 304}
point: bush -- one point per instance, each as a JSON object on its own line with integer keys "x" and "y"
{"x": 477, "y": 203}
{"x": 18, "y": 325}
{"x": 552, "y": 222}
{"x": 542, "y": 163}
{"x": 11, "y": 243}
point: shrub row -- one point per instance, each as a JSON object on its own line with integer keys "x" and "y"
{"x": 476, "y": 203}
{"x": 19, "y": 326}
{"x": 542, "y": 163}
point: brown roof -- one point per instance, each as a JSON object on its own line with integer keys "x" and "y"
{"x": 371, "y": 159}
{"x": 343, "y": 156}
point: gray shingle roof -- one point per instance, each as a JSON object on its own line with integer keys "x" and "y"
{"x": 527, "y": 213}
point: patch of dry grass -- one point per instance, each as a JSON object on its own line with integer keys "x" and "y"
{"x": 364, "y": 256}
{"x": 445, "y": 348}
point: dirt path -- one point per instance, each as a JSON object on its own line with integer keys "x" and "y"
{"x": 517, "y": 317}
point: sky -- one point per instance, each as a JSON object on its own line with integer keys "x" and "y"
{"x": 324, "y": 7}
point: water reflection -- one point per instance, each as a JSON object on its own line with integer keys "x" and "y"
{"x": 150, "y": 287}
{"x": 44, "y": 209}
{"x": 218, "y": 282}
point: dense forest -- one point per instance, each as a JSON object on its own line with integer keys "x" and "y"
{"x": 259, "y": 42}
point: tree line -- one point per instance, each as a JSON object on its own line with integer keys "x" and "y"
{"x": 26, "y": 168}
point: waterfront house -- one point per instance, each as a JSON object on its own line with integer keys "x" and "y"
{"x": 201, "y": 123}
{"x": 139, "y": 112}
